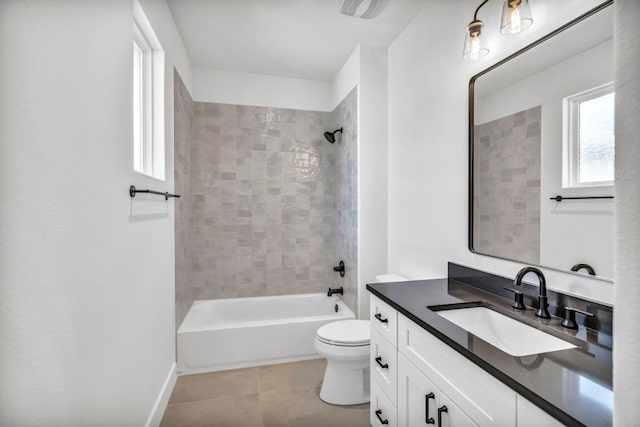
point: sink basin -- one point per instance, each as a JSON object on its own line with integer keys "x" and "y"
{"x": 507, "y": 334}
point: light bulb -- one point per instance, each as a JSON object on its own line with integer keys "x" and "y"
{"x": 516, "y": 16}
{"x": 475, "y": 47}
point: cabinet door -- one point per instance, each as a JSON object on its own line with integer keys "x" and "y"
{"x": 417, "y": 396}
{"x": 449, "y": 415}
{"x": 480, "y": 395}
{"x": 529, "y": 415}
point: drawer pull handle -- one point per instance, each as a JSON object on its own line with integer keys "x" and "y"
{"x": 441, "y": 409}
{"x": 378, "y": 412}
{"x": 382, "y": 365}
{"x": 379, "y": 317}
{"x": 427, "y": 418}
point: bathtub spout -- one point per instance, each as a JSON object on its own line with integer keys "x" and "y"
{"x": 335, "y": 291}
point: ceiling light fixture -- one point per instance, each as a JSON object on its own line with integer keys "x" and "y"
{"x": 516, "y": 16}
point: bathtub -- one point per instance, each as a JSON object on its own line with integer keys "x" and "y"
{"x": 241, "y": 332}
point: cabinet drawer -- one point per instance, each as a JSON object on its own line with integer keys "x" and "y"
{"x": 381, "y": 408}
{"x": 384, "y": 319}
{"x": 384, "y": 365}
{"x": 481, "y": 396}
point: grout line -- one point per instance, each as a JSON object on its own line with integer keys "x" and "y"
{"x": 212, "y": 375}
{"x": 259, "y": 384}
{"x": 211, "y": 399}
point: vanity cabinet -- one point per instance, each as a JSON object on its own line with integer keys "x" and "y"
{"x": 425, "y": 382}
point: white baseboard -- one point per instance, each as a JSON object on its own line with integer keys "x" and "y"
{"x": 163, "y": 399}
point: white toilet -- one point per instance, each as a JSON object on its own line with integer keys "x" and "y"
{"x": 345, "y": 344}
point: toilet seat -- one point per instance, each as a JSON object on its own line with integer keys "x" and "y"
{"x": 346, "y": 333}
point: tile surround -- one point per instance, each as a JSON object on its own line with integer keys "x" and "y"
{"x": 507, "y": 186}
{"x": 271, "y": 205}
{"x": 183, "y": 130}
{"x": 345, "y": 196}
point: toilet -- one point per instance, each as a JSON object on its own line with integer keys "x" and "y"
{"x": 345, "y": 344}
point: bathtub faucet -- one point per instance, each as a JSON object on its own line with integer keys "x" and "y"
{"x": 335, "y": 291}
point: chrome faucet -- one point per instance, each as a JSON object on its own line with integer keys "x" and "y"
{"x": 543, "y": 311}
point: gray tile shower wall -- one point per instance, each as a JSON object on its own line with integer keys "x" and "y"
{"x": 272, "y": 204}
{"x": 183, "y": 131}
{"x": 507, "y": 186}
{"x": 346, "y": 195}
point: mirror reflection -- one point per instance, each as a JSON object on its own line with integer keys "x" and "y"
{"x": 542, "y": 145}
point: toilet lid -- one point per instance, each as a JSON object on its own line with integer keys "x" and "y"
{"x": 345, "y": 333}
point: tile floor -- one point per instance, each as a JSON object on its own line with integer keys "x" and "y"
{"x": 284, "y": 395}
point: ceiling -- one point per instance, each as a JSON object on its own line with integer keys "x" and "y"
{"x": 305, "y": 39}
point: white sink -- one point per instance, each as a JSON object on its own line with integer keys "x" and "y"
{"x": 509, "y": 335}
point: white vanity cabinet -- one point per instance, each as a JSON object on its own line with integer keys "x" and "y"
{"x": 426, "y": 382}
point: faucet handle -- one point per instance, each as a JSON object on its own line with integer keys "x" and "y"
{"x": 569, "y": 321}
{"x": 518, "y": 301}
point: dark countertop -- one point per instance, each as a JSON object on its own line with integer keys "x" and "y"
{"x": 574, "y": 386}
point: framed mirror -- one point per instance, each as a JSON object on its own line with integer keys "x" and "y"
{"x": 541, "y": 151}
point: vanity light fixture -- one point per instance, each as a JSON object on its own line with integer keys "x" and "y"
{"x": 474, "y": 44}
{"x": 516, "y": 16}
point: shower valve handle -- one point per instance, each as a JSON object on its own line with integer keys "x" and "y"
{"x": 339, "y": 268}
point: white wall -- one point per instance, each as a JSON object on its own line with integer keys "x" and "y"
{"x": 230, "y": 87}
{"x": 372, "y": 171}
{"x": 428, "y": 160}
{"x": 576, "y": 231}
{"x": 347, "y": 78}
{"x": 626, "y": 370}
{"x": 87, "y": 295}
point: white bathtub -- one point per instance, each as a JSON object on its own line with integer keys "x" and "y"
{"x": 240, "y": 332}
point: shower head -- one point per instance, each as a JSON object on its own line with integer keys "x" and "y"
{"x": 331, "y": 136}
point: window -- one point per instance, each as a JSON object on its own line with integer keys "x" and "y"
{"x": 589, "y": 138}
{"x": 148, "y": 98}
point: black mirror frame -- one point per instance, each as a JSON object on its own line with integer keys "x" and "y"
{"x": 471, "y": 125}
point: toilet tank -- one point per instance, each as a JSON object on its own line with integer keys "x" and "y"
{"x": 383, "y": 278}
